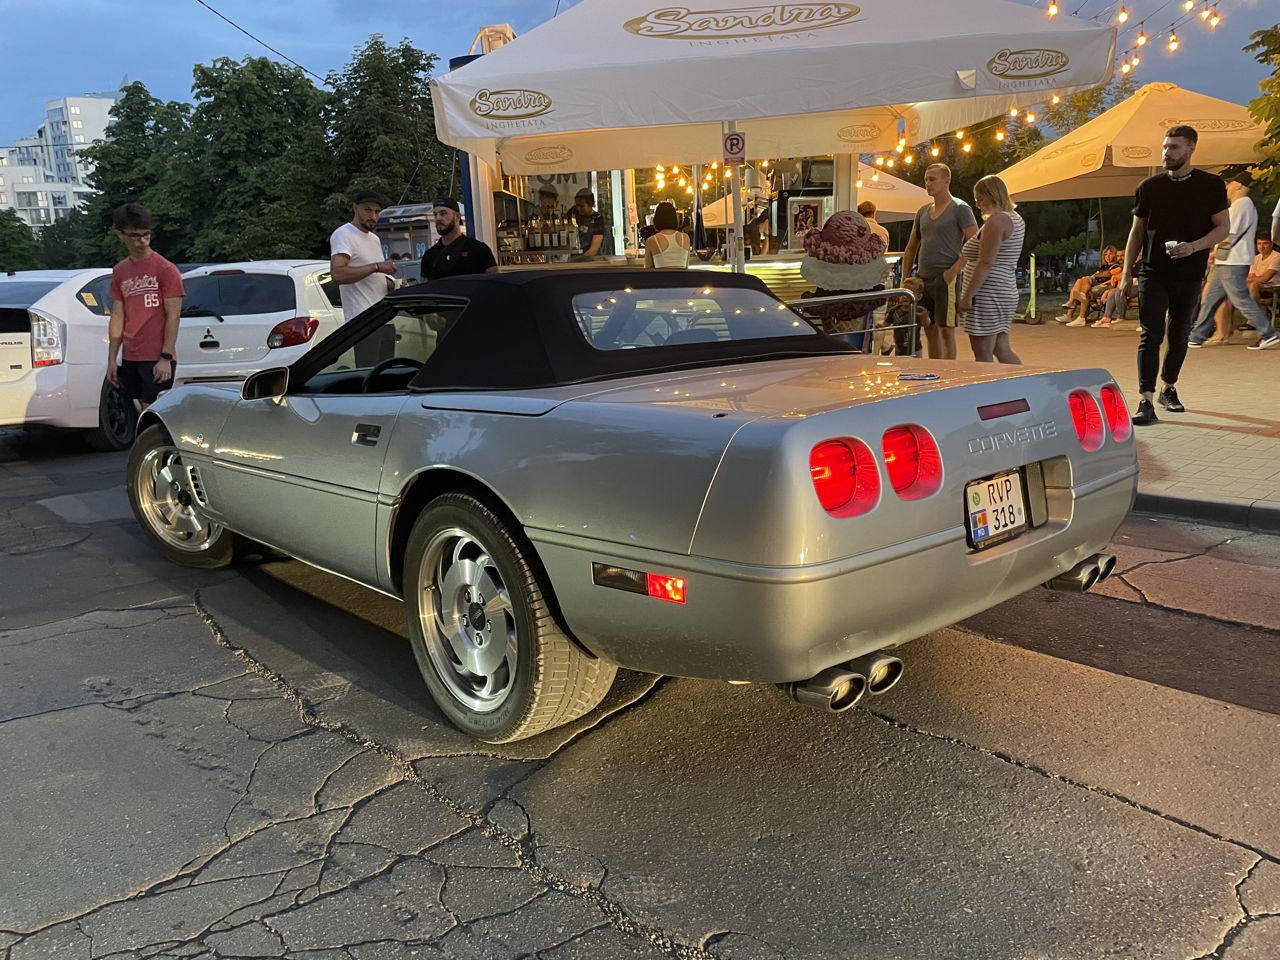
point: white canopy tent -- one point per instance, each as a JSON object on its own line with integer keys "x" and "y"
{"x": 1112, "y": 153}
{"x": 621, "y": 83}
{"x": 895, "y": 198}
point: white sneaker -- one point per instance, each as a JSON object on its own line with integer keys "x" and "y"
{"x": 1269, "y": 343}
{"x": 1077, "y": 322}
{"x": 1062, "y": 318}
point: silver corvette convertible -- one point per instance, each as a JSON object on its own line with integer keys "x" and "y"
{"x": 563, "y": 473}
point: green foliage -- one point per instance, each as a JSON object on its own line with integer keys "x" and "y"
{"x": 1265, "y": 47}
{"x": 383, "y": 126}
{"x": 18, "y": 247}
{"x": 263, "y": 163}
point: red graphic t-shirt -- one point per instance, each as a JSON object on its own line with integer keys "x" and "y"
{"x": 142, "y": 286}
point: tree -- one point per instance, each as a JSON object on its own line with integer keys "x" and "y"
{"x": 1265, "y": 47}
{"x": 255, "y": 129}
{"x": 383, "y": 126}
{"x": 18, "y": 247}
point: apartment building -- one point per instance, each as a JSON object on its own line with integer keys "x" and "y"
{"x": 43, "y": 177}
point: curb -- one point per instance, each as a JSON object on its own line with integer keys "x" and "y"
{"x": 1262, "y": 516}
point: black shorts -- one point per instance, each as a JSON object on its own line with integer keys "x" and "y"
{"x": 940, "y": 300}
{"x": 138, "y": 381}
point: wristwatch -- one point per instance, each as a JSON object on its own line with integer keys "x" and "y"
{"x": 167, "y": 356}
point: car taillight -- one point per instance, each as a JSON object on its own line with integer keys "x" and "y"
{"x": 290, "y": 333}
{"x": 912, "y": 461}
{"x": 48, "y": 340}
{"x": 845, "y": 477}
{"x": 1087, "y": 419}
{"x": 1117, "y": 412}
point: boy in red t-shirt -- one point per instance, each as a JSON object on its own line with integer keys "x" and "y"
{"x": 146, "y": 290}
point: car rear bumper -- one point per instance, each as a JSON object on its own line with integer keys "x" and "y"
{"x": 776, "y": 624}
{"x": 40, "y": 396}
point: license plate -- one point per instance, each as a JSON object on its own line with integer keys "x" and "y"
{"x": 996, "y": 508}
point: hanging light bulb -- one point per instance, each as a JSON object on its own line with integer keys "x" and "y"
{"x": 1214, "y": 19}
{"x": 1056, "y": 98}
{"x": 1204, "y": 13}
{"x": 909, "y": 159}
{"x": 879, "y": 161}
{"x": 902, "y": 141}
{"x": 715, "y": 164}
{"x": 688, "y": 189}
{"x": 1173, "y": 41}
{"x": 764, "y": 163}
{"x": 1126, "y": 67}
{"x": 875, "y": 176}
{"x": 1053, "y": 9}
{"x": 934, "y": 151}
{"x": 1142, "y": 37}
{"x": 728, "y": 172}
{"x": 1031, "y": 117}
{"x": 1013, "y": 111}
{"x": 967, "y": 147}
{"x": 889, "y": 162}
{"x": 858, "y": 183}
{"x": 899, "y": 148}
{"x": 999, "y": 136}
{"x": 959, "y": 134}
{"x": 1136, "y": 60}
{"x": 682, "y": 181}
{"x": 1188, "y": 4}
{"x": 1122, "y": 16}
{"x": 662, "y": 184}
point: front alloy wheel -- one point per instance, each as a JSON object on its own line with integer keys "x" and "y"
{"x": 166, "y": 507}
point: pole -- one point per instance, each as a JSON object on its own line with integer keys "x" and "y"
{"x": 738, "y": 259}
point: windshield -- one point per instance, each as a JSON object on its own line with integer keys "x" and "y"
{"x": 23, "y": 293}
{"x": 628, "y": 319}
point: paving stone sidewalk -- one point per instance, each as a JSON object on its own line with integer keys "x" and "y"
{"x": 1220, "y": 460}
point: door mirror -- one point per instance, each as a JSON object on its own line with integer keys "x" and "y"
{"x": 270, "y": 383}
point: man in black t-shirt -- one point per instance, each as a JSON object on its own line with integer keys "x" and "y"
{"x": 455, "y": 253}
{"x": 590, "y": 225}
{"x": 1178, "y": 217}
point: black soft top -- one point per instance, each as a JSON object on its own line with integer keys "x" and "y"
{"x": 518, "y": 329}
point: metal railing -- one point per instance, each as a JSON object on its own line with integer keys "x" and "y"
{"x": 863, "y": 339}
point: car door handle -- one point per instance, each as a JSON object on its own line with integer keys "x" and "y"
{"x": 366, "y": 434}
{"x": 209, "y": 344}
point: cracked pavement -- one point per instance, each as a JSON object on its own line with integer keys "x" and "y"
{"x": 244, "y": 763}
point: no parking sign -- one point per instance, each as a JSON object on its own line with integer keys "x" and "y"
{"x": 735, "y": 149}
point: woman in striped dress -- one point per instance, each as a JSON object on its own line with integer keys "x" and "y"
{"x": 990, "y": 293}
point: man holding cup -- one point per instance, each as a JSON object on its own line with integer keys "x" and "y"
{"x": 1179, "y": 215}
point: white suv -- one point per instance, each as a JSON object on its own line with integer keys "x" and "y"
{"x": 238, "y": 318}
{"x": 53, "y": 355}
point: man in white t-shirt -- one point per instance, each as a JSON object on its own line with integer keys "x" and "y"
{"x": 1231, "y": 270}
{"x": 356, "y": 262}
{"x": 1266, "y": 266}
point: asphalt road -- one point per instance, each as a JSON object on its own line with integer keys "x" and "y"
{"x": 244, "y": 764}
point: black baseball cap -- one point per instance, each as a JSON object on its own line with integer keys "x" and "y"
{"x": 1244, "y": 179}
{"x": 367, "y": 196}
{"x": 449, "y": 202}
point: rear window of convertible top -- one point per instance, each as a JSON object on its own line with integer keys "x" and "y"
{"x": 627, "y": 319}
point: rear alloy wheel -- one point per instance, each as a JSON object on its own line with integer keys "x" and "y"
{"x": 489, "y": 649}
{"x": 167, "y": 509}
{"x": 117, "y": 421}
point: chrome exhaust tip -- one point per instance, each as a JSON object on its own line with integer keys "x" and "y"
{"x": 1106, "y": 565}
{"x": 1078, "y": 579}
{"x": 881, "y": 670}
{"x": 835, "y": 689}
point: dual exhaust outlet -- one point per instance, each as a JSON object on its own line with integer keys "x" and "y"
{"x": 838, "y": 688}
{"x": 1085, "y": 575}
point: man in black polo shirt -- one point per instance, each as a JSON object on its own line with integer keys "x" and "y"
{"x": 455, "y": 253}
{"x": 1179, "y": 215}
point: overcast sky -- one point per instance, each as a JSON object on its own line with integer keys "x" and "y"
{"x": 56, "y": 48}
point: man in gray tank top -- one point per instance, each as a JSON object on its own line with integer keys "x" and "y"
{"x": 939, "y": 231}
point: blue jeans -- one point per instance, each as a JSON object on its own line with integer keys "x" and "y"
{"x": 1230, "y": 282}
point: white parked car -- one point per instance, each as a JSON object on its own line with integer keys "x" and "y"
{"x": 238, "y": 318}
{"x": 53, "y": 356}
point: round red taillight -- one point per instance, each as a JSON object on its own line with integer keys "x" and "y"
{"x": 845, "y": 477}
{"x": 1087, "y": 419}
{"x": 912, "y": 461}
{"x": 1116, "y": 412}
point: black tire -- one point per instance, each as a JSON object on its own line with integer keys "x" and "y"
{"x": 488, "y": 647}
{"x": 169, "y": 514}
{"x": 117, "y": 421}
